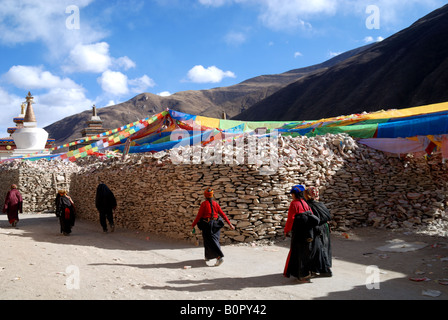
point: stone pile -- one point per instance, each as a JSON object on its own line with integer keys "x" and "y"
{"x": 37, "y": 181}
{"x": 161, "y": 192}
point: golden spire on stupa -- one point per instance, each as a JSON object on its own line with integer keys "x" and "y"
{"x": 29, "y": 115}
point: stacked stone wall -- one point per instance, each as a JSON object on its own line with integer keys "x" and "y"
{"x": 361, "y": 186}
{"x": 38, "y": 182}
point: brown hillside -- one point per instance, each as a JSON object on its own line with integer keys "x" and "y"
{"x": 406, "y": 70}
{"x": 212, "y": 103}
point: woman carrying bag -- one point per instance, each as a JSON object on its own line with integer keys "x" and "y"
{"x": 210, "y": 223}
{"x": 65, "y": 211}
{"x": 300, "y": 223}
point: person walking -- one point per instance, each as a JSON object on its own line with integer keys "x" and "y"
{"x": 105, "y": 203}
{"x": 65, "y": 211}
{"x": 321, "y": 248}
{"x": 300, "y": 224}
{"x": 13, "y": 205}
{"x": 210, "y": 223}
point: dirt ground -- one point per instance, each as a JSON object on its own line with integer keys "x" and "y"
{"x": 37, "y": 262}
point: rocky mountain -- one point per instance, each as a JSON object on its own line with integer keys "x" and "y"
{"x": 408, "y": 69}
{"x": 212, "y": 103}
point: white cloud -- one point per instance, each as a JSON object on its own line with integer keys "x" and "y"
{"x": 297, "y": 54}
{"x": 199, "y": 74}
{"x": 118, "y": 84}
{"x": 164, "y": 94}
{"x": 114, "y": 82}
{"x": 124, "y": 63}
{"x": 391, "y": 11}
{"x": 110, "y": 103}
{"x": 332, "y": 54}
{"x": 45, "y": 21}
{"x": 32, "y": 21}
{"x": 290, "y": 14}
{"x": 59, "y": 103}
{"x": 284, "y": 14}
{"x": 10, "y": 108}
{"x": 297, "y": 14}
{"x": 30, "y": 77}
{"x": 141, "y": 84}
{"x": 89, "y": 58}
{"x": 235, "y": 38}
{"x": 95, "y": 58}
{"x": 62, "y": 97}
{"x": 49, "y": 107}
{"x": 370, "y": 39}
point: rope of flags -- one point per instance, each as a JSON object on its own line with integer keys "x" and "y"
{"x": 403, "y": 131}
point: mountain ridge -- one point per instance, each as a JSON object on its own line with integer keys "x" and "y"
{"x": 408, "y": 69}
{"x": 231, "y": 100}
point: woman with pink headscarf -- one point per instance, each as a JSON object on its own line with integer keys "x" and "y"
{"x": 321, "y": 246}
{"x": 13, "y": 204}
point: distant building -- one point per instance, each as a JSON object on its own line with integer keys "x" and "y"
{"x": 25, "y": 138}
{"x": 94, "y": 128}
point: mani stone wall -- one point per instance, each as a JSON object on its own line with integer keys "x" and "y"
{"x": 38, "y": 182}
{"x": 361, "y": 186}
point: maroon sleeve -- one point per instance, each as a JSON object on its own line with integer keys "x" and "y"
{"x": 20, "y": 202}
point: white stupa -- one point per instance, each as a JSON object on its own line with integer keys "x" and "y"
{"x": 29, "y": 138}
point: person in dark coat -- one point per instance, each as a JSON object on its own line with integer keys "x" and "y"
{"x": 209, "y": 221}
{"x": 321, "y": 250}
{"x": 13, "y": 205}
{"x": 106, "y": 203}
{"x": 65, "y": 211}
{"x": 300, "y": 224}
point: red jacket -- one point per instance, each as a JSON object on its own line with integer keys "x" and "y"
{"x": 296, "y": 206}
{"x": 205, "y": 212}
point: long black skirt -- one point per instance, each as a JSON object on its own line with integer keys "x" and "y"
{"x": 321, "y": 255}
{"x": 67, "y": 221}
{"x": 212, "y": 248}
{"x": 298, "y": 263}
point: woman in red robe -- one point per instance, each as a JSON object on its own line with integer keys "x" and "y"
{"x": 300, "y": 223}
{"x": 209, "y": 221}
{"x": 13, "y": 204}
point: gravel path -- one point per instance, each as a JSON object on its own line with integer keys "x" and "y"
{"x": 36, "y": 262}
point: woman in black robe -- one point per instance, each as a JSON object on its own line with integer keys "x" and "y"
{"x": 300, "y": 224}
{"x": 321, "y": 249}
{"x": 65, "y": 211}
{"x": 105, "y": 202}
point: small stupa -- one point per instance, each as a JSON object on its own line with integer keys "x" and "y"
{"x": 18, "y": 120}
{"x": 27, "y": 137}
{"x": 94, "y": 128}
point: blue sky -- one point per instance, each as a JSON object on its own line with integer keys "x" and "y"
{"x": 72, "y": 54}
